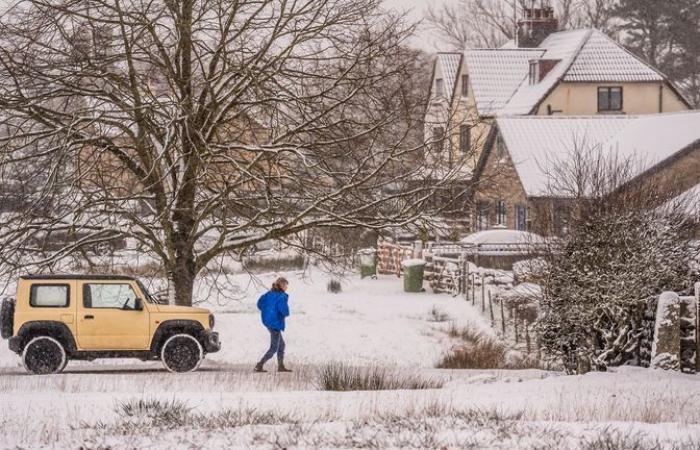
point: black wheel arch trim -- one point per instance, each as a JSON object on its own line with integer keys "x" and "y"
{"x": 168, "y": 327}
{"x": 55, "y": 329}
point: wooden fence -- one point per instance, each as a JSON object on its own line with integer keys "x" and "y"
{"x": 390, "y": 256}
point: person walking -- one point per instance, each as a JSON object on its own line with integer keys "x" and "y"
{"x": 273, "y": 306}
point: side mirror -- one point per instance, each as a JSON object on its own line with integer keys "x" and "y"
{"x": 138, "y": 304}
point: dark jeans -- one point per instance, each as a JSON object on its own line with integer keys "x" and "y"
{"x": 276, "y": 346}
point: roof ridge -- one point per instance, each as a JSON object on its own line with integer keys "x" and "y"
{"x": 486, "y": 49}
{"x": 688, "y": 112}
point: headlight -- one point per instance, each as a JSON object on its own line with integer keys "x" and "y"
{"x": 211, "y": 321}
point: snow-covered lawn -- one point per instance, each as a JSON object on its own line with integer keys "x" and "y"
{"x": 225, "y": 405}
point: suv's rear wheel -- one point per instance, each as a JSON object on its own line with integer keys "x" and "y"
{"x": 43, "y": 355}
{"x": 182, "y": 353}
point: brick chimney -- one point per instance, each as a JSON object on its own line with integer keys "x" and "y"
{"x": 537, "y": 24}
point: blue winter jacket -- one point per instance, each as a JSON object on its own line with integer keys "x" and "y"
{"x": 273, "y": 309}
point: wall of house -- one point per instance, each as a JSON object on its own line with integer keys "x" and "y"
{"x": 498, "y": 180}
{"x": 437, "y": 110}
{"x": 463, "y": 112}
{"x": 637, "y": 98}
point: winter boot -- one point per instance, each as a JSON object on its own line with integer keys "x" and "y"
{"x": 259, "y": 368}
{"x": 281, "y": 368}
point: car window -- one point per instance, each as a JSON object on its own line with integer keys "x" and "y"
{"x": 109, "y": 296}
{"x": 49, "y": 295}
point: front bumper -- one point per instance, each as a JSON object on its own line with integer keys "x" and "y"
{"x": 211, "y": 341}
{"x": 15, "y": 344}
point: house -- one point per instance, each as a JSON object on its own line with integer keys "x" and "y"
{"x": 545, "y": 72}
{"x": 521, "y": 178}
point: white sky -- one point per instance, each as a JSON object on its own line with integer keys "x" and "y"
{"x": 417, "y": 8}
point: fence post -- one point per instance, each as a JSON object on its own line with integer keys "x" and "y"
{"x": 515, "y": 324}
{"x": 503, "y": 318}
{"x": 473, "y": 289}
{"x": 483, "y": 293}
{"x": 493, "y": 320}
{"x": 527, "y": 336}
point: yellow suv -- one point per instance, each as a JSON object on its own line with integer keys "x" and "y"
{"x": 56, "y": 318}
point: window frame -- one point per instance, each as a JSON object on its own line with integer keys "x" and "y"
{"x": 534, "y": 72}
{"x": 438, "y": 139}
{"x": 520, "y": 208}
{"x": 465, "y": 85}
{"x": 85, "y": 285}
{"x": 501, "y": 212}
{"x": 608, "y": 90}
{"x": 465, "y": 144}
{"x": 440, "y": 87}
{"x": 32, "y": 294}
{"x": 482, "y": 215}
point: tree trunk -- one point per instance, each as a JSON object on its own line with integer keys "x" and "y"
{"x": 183, "y": 276}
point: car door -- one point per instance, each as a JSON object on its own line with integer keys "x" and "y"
{"x": 108, "y": 318}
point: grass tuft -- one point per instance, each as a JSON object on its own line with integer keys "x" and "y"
{"x": 438, "y": 315}
{"x": 342, "y": 377}
{"x": 484, "y": 354}
{"x": 334, "y": 286}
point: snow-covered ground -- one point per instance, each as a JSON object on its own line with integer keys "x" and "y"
{"x": 225, "y": 405}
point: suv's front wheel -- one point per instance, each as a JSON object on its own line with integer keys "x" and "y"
{"x": 44, "y": 355}
{"x": 182, "y": 353}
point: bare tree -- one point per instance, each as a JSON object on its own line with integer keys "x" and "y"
{"x": 490, "y": 23}
{"x": 199, "y": 128}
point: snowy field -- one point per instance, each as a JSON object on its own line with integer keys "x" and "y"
{"x": 130, "y": 404}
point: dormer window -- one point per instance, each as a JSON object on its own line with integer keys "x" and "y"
{"x": 534, "y": 72}
{"x": 610, "y": 99}
{"x": 439, "y": 87}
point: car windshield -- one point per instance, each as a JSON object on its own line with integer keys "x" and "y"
{"x": 149, "y": 297}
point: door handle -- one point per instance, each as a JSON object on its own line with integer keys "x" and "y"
{"x": 89, "y": 317}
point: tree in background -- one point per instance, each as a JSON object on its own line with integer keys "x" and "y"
{"x": 667, "y": 35}
{"x": 490, "y": 23}
{"x": 200, "y": 128}
{"x": 621, "y": 251}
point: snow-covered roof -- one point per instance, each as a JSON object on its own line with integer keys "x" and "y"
{"x": 584, "y": 55}
{"x": 449, "y": 62}
{"x": 538, "y": 144}
{"x": 687, "y": 202}
{"x": 603, "y": 59}
{"x": 495, "y": 74}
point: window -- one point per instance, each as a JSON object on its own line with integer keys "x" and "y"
{"x": 49, "y": 295}
{"x": 500, "y": 147}
{"x": 500, "y": 212}
{"x": 609, "y": 99}
{"x": 482, "y": 215}
{"x": 465, "y": 85}
{"x": 438, "y": 138}
{"x": 560, "y": 220}
{"x": 439, "y": 87}
{"x": 534, "y": 72}
{"x": 521, "y": 217}
{"x": 465, "y": 138}
{"x": 119, "y": 296}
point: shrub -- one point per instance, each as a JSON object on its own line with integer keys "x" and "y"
{"x": 276, "y": 262}
{"x": 334, "y": 286}
{"x": 342, "y": 377}
{"x": 484, "y": 354}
